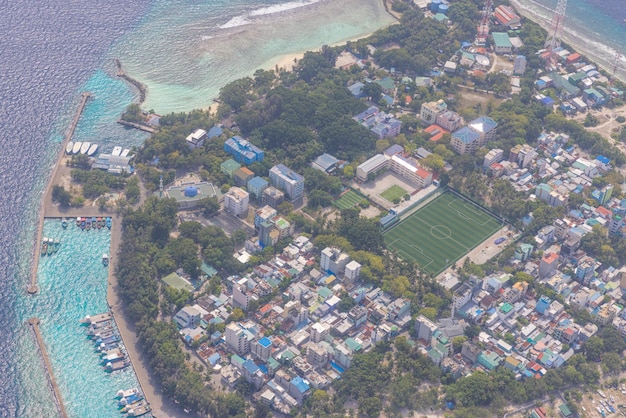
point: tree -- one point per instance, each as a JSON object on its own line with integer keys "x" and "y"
{"x": 319, "y": 198}
{"x": 594, "y": 348}
{"x": 285, "y": 208}
{"x": 373, "y": 90}
{"x": 209, "y": 205}
{"x": 59, "y": 194}
{"x": 348, "y": 172}
{"x": 433, "y": 161}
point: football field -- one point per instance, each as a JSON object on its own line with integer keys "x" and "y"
{"x": 439, "y": 233}
{"x": 348, "y": 200}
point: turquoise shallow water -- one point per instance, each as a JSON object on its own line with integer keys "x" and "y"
{"x": 73, "y": 284}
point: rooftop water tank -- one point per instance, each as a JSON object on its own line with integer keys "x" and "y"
{"x": 434, "y": 6}
{"x": 443, "y": 8}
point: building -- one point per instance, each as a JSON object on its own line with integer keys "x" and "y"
{"x": 352, "y": 271}
{"x": 449, "y": 120}
{"x": 519, "y": 65}
{"x": 326, "y": 163}
{"x": 189, "y": 195}
{"x": 242, "y": 176}
{"x": 548, "y": 265}
{"x": 229, "y": 166}
{"x": 382, "y": 124}
{"x": 238, "y": 338}
{"x": 236, "y": 201}
{"x": 256, "y": 185}
{"x": 243, "y": 151}
{"x": 371, "y": 167}
{"x": 187, "y": 317}
{"x": 424, "y": 328}
{"x": 411, "y": 171}
{"x": 473, "y": 136}
{"x": 287, "y": 180}
{"x": 114, "y": 164}
{"x": 241, "y": 295}
{"x": 334, "y": 260}
{"x": 506, "y": 16}
{"x": 502, "y": 43}
{"x": 264, "y": 214}
{"x": 430, "y": 110}
{"x": 493, "y": 156}
{"x": 196, "y": 138}
{"x": 272, "y": 196}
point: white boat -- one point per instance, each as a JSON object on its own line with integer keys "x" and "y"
{"x": 92, "y": 149}
{"x": 85, "y": 147}
{"x": 69, "y": 147}
{"x": 76, "y": 148}
{"x": 127, "y": 393}
{"x": 125, "y": 153}
{"x": 117, "y": 150}
{"x": 105, "y": 259}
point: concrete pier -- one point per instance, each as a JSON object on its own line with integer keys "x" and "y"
{"x": 34, "y": 323}
{"x": 32, "y": 288}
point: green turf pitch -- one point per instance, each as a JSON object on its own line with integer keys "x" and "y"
{"x": 392, "y": 193}
{"x": 348, "y": 200}
{"x": 446, "y": 228}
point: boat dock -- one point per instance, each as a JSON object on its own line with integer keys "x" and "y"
{"x": 34, "y": 323}
{"x": 103, "y": 317}
{"x": 32, "y": 288}
{"x": 136, "y": 126}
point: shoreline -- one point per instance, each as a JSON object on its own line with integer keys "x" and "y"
{"x": 577, "y": 46}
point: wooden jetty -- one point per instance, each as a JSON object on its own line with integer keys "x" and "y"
{"x": 34, "y": 323}
{"x": 103, "y": 317}
{"x": 32, "y": 288}
{"x": 139, "y": 126}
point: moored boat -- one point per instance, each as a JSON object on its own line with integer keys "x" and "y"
{"x": 69, "y": 147}
{"x": 99, "y": 223}
{"x": 126, "y": 393}
{"x": 44, "y": 246}
{"x": 92, "y": 149}
{"x": 55, "y": 245}
{"x": 88, "y": 224}
{"x": 76, "y": 147}
{"x": 83, "y": 223}
{"x": 118, "y": 365}
{"x": 97, "y": 319}
{"x": 117, "y": 150}
{"x": 85, "y": 147}
{"x": 94, "y": 222}
{"x": 139, "y": 410}
{"x": 78, "y": 220}
{"x": 105, "y": 260}
{"x": 50, "y": 246}
{"x": 108, "y": 221}
{"x": 64, "y": 223}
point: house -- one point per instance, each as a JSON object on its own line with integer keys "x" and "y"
{"x": 229, "y": 166}
{"x": 242, "y": 150}
{"x": 506, "y": 16}
{"x": 187, "y": 317}
{"x": 371, "y": 167}
{"x": 383, "y": 125}
{"x": 196, "y": 138}
{"x": 272, "y": 196}
{"x": 256, "y": 185}
{"x": 242, "y": 176}
{"x": 449, "y": 120}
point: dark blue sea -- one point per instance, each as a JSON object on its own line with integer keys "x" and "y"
{"x": 51, "y": 51}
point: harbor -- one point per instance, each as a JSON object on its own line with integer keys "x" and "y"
{"x": 34, "y": 323}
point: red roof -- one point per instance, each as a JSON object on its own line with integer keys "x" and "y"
{"x": 572, "y": 57}
{"x": 550, "y": 258}
{"x": 422, "y": 173}
{"x": 604, "y": 212}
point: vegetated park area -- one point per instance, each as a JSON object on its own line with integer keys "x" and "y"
{"x": 348, "y": 200}
{"x": 441, "y": 232}
{"x": 393, "y": 193}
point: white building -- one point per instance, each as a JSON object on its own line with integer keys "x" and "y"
{"x": 238, "y": 338}
{"x": 319, "y": 331}
{"x": 196, "y": 138}
{"x": 411, "y": 171}
{"x": 187, "y": 317}
{"x": 334, "y": 260}
{"x": 352, "y": 272}
{"x": 493, "y": 156}
{"x": 430, "y": 110}
{"x": 242, "y": 296}
{"x": 236, "y": 201}
{"x": 372, "y": 166}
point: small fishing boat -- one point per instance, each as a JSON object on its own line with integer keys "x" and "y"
{"x": 138, "y": 411}
{"x": 92, "y": 150}
{"x": 108, "y": 221}
{"x": 44, "y": 246}
{"x": 117, "y": 150}
{"x": 64, "y": 223}
{"x": 118, "y": 365}
{"x": 78, "y": 221}
{"x": 94, "y": 222}
{"x": 76, "y": 147}
{"x": 99, "y": 223}
{"x": 50, "y": 246}
{"x": 104, "y": 317}
{"x": 69, "y": 147}
{"x": 83, "y": 223}
{"x": 105, "y": 260}
{"x": 126, "y": 393}
{"x": 88, "y": 224}
{"x": 55, "y": 245}
{"x": 85, "y": 147}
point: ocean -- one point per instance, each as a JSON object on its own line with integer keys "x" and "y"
{"x": 51, "y": 51}
{"x": 597, "y": 28}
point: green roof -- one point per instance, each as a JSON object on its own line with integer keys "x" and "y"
{"x": 324, "y": 292}
{"x": 506, "y": 307}
{"x": 440, "y": 17}
{"x": 565, "y": 410}
{"x": 230, "y": 166}
{"x": 353, "y": 345}
{"x": 177, "y": 282}
{"x": 502, "y": 40}
{"x": 208, "y": 270}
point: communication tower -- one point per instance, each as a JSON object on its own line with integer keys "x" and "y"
{"x": 616, "y": 66}
{"x": 553, "y": 41}
{"x": 482, "y": 31}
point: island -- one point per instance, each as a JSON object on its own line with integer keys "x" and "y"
{"x": 410, "y": 223}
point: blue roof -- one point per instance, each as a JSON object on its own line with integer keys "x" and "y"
{"x": 326, "y": 161}
{"x": 250, "y": 366}
{"x": 214, "y": 131}
{"x": 603, "y": 159}
{"x": 288, "y": 172}
{"x": 356, "y": 89}
{"x": 265, "y": 342}
{"x": 214, "y": 358}
{"x": 300, "y": 384}
{"x": 257, "y": 182}
{"x": 547, "y": 101}
{"x": 466, "y": 135}
{"x": 483, "y": 124}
